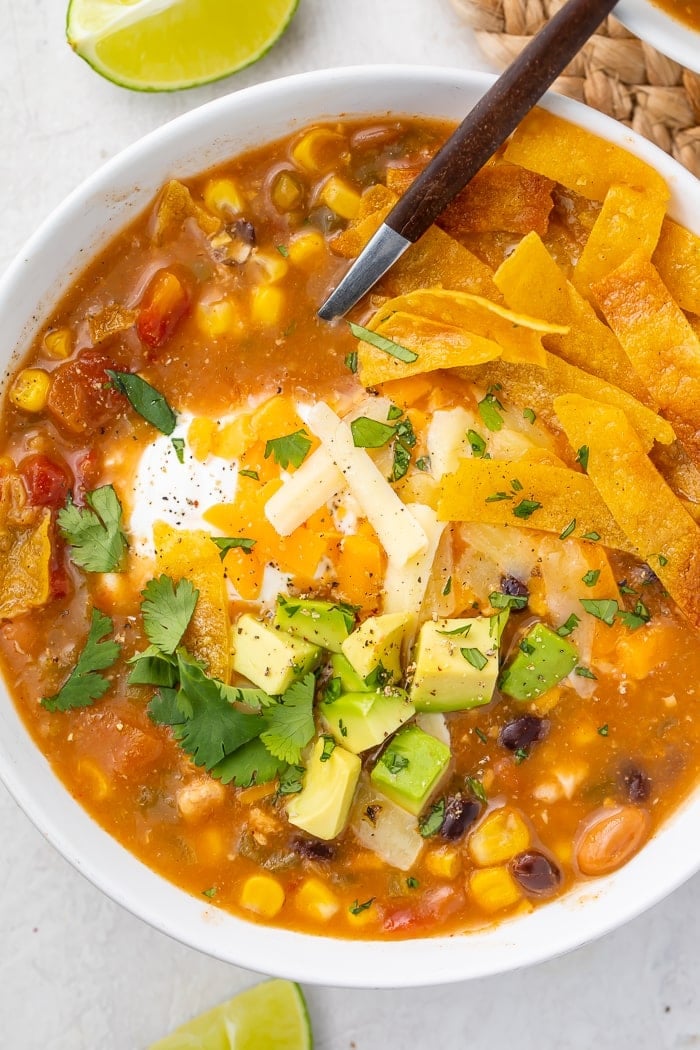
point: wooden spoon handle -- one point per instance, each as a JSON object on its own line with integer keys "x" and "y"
{"x": 496, "y": 115}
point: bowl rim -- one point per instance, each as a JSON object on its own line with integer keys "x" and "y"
{"x": 657, "y": 27}
{"x": 562, "y": 925}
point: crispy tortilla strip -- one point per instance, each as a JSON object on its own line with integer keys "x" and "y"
{"x": 482, "y": 490}
{"x": 629, "y": 222}
{"x": 659, "y": 341}
{"x": 436, "y": 259}
{"x": 500, "y": 197}
{"x": 176, "y": 205}
{"x": 578, "y": 159}
{"x": 112, "y": 320}
{"x": 536, "y": 388}
{"x": 658, "y": 527}
{"x": 25, "y": 556}
{"x": 531, "y": 280}
{"x": 677, "y": 258}
{"x": 190, "y": 554}
{"x": 674, "y": 463}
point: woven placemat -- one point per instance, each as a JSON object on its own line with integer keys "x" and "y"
{"x": 615, "y": 72}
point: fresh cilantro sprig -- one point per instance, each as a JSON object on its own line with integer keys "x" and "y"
{"x": 145, "y": 399}
{"x": 167, "y": 609}
{"x": 290, "y": 722}
{"x": 291, "y": 448}
{"x": 85, "y": 684}
{"x": 95, "y": 532}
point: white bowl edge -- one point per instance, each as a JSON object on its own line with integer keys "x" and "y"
{"x": 667, "y": 34}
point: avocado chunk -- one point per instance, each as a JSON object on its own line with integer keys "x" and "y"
{"x": 269, "y": 657}
{"x": 359, "y": 721}
{"x": 375, "y": 646}
{"x": 350, "y": 681}
{"x": 322, "y": 623}
{"x": 411, "y": 768}
{"x": 322, "y": 807}
{"x": 542, "y": 660}
{"x": 456, "y": 664}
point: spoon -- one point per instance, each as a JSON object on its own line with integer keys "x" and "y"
{"x": 466, "y": 151}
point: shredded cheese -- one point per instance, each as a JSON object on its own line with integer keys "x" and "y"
{"x": 405, "y": 583}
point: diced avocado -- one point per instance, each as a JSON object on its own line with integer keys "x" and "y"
{"x": 323, "y": 623}
{"x": 269, "y": 657}
{"x": 410, "y": 768}
{"x": 322, "y": 807}
{"x": 456, "y": 664}
{"x": 377, "y": 642}
{"x": 542, "y": 660}
{"x": 359, "y": 721}
{"x": 350, "y": 681}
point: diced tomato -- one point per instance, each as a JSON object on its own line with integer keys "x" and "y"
{"x": 87, "y": 475}
{"x": 47, "y": 482}
{"x": 163, "y": 306}
{"x": 82, "y": 398}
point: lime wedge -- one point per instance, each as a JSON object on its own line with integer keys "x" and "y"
{"x": 162, "y": 45}
{"x": 270, "y": 1016}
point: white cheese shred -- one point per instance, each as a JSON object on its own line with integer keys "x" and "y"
{"x": 405, "y": 583}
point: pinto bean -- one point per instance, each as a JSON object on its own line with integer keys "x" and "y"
{"x": 609, "y": 838}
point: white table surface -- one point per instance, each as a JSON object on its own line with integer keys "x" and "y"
{"x": 76, "y": 971}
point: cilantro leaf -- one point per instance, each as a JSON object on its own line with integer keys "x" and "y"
{"x": 229, "y": 543}
{"x": 351, "y": 361}
{"x": 167, "y": 610}
{"x": 291, "y": 781}
{"x": 84, "y": 685}
{"x": 432, "y": 821}
{"x": 569, "y": 626}
{"x": 144, "y": 399}
{"x": 249, "y": 474}
{"x": 368, "y": 433}
{"x": 604, "y": 610}
{"x": 526, "y": 508}
{"x": 423, "y": 463}
{"x": 153, "y": 668}
{"x": 402, "y": 353}
{"x": 529, "y": 415}
{"x": 477, "y": 443}
{"x": 164, "y": 710}
{"x": 329, "y": 746}
{"x": 179, "y": 446}
{"x": 290, "y": 722}
{"x": 489, "y": 411}
{"x": 582, "y": 457}
{"x": 94, "y": 532}
{"x": 591, "y": 577}
{"x": 250, "y": 697}
{"x": 250, "y": 764}
{"x": 292, "y": 448}
{"x": 636, "y": 619}
{"x": 475, "y": 657}
{"x": 507, "y": 601}
{"x": 568, "y": 530}
{"x": 477, "y": 789}
{"x": 401, "y": 462}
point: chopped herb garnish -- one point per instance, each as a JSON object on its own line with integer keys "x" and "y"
{"x": 179, "y": 446}
{"x": 351, "y": 361}
{"x": 356, "y": 908}
{"x": 283, "y": 250}
{"x": 405, "y": 433}
{"x": 477, "y": 789}
{"x": 529, "y": 415}
{"x": 144, "y": 399}
{"x": 585, "y": 672}
{"x": 582, "y": 457}
{"x": 368, "y": 433}
{"x": 249, "y": 474}
{"x": 458, "y": 630}
{"x": 342, "y": 727}
{"x": 591, "y": 577}
{"x": 229, "y": 543}
{"x": 489, "y": 411}
{"x": 95, "y": 532}
{"x": 636, "y": 619}
{"x": 402, "y": 353}
{"x": 211, "y": 892}
{"x": 329, "y": 746}
{"x": 334, "y": 689}
{"x": 498, "y": 497}
{"x": 625, "y": 589}
{"x": 526, "y": 508}
{"x": 84, "y": 684}
{"x": 433, "y": 820}
{"x": 521, "y": 754}
{"x": 526, "y": 647}
{"x": 475, "y": 657}
{"x": 292, "y": 448}
{"x": 291, "y": 782}
{"x": 477, "y": 443}
{"x": 603, "y": 730}
{"x": 568, "y": 626}
{"x": 423, "y": 463}
{"x": 412, "y": 882}
{"x": 394, "y": 762}
{"x": 662, "y": 560}
{"x": 507, "y": 601}
{"x": 481, "y": 735}
{"x": 594, "y": 536}
{"x": 379, "y": 677}
{"x": 517, "y": 486}
{"x": 401, "y": 462}
{"x": 447, "y": 589}
{"x": 394, "y": 412}
{"x": 603, "y": 609}
{"x": 568, "y": 530}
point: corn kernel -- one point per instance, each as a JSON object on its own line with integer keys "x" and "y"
{"x": 563, "y": 851}
{"x": 340, "y": 198}
{"x": 444, "y": 863}
{"x": 318, "y": 150}
{"x": 494, "y": 889}
{"x": 263, "y": 895}
{"x": 306, "y": 248}
{"x": 366, "y": 917}
{"x": 267, "y": 304}
{"x": 211, "y": 846}
{"x": 30, "y": 389}
{"x": 200, "y": 437}
{"x": 287, "y": 192}
{"x": 548, "y": 701}
{"x": 95, "y": 781}
{"x": 316, "y": 900}
{"x": 223, "y": 197}
{"x": 273, "y": 265}
{"x": 59, "y": 343}
{"x": 501, "y": 835}
{"x": 218, "y": 318}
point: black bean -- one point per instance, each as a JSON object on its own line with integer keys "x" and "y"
{"x": 636, "y": 783}
{"x": 522, "y": 732}
{"x": 514, "y": 587}
{"x": 243, "y": 230}
{"x": 460, "y": 813}
{"x": 313, "y": 849}
{"x": 536, "y": 873}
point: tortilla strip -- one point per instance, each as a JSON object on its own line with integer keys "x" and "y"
{"x": 500, "y": 197}
{"x": 25, "y": 558}
{"x": 674, "y": 463}
{"x": 531, "y": 280}
{"x": 677, "y": 258}
{"x": 536, "y": 388}
{"x": 565, "y": 495}
{"x": 658, "y": 527}
{"x": 659, "y": 341}
{"x": 436, "y": 259}
{"x": 578, "y": 159}
{"x": 176, "y": 205}
{"x": 629, "y": 222}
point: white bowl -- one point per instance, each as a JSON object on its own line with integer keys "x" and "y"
{"x": 663, "y": 32}
{"x": 88, "y": 219}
